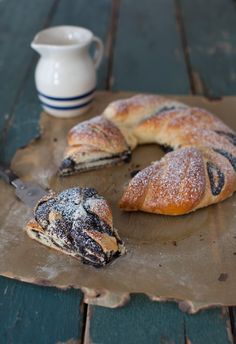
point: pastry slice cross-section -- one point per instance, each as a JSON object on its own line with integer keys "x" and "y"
{"x": 77, "y": 222}
{"x": 93, "y": 144}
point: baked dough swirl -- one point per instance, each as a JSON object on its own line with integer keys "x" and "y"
{"x": 199, "y": 171}
{"x": 77, "y": 222}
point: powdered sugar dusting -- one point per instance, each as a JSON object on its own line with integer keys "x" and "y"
{"x": 100, "y": 207}
{"x": 135, "y": 192}
{"x": 68, "y": 218}
{"x": 99, "y": 133}
{"x": 175, "y": 183}
{"x": 181, "y": 178}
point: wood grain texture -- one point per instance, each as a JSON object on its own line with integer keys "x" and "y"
{"x": 18, "y": 25}
{"x": 208, "y": 37}
{"x": 144, "y": 321}
{"x": 30, "y": 314}
{"x": 209, "y": 326}
{"x": 210, "y": 33}
{"x": 141, "y": 321}
{"x": 148, "y": 54}
{"x": 232, "y": 313}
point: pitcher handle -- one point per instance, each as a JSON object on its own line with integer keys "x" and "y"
{"x": 97, "y": 58}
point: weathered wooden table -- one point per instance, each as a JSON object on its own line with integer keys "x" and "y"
{"x": 164, "y": 46}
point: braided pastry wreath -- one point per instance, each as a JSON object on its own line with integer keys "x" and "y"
{"x": 199, "y": 170}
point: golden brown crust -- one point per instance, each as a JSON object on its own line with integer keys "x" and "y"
{"x": 179, "y": 183}
{"x": 107, "y": 242}
{"x": 33, "y": 225}
{"x": 180, "y": 127}
{"x": 100, "y": 207}
{"x": 202, "y": 169}
{"x": 166, "y": 191}
{"x": 130, "y": 111}
{"x": 99, "y": 133}
{"x": 184, "y": 130}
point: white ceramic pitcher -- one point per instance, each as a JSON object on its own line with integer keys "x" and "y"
{"x": 65, "y": 75}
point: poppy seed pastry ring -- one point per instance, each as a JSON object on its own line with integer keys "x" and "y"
{"x": 199, "y": 171}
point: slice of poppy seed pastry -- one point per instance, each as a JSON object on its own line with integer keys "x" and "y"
{"x": 93, "y": 144}
{"x": 77, "y": 222}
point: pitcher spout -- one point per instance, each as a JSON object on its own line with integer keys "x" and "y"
{"x": 41, "y": 49}
{"x": 38, "y": 45}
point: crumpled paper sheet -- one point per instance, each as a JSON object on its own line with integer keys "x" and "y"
{"x": 190, "y": 259}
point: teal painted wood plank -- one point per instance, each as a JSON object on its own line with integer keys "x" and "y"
{"x": 211, "y": 36}
{"x": 144, "y": 321}
{"x": 209, "y": 326}
{"x": 25, "y": 116}
{"x": 233, "y": 322}
{"x": 141, "y": 321}
{"x": 25, "y": 121}
{"x": 18, "y": 24}
{"x": 30, "y": 314}
{"x": 148, "y": 54}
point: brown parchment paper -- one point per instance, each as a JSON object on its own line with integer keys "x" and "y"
{"x": 191, "y": 258}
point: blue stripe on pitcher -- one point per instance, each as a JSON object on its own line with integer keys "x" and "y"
{"x": 74, "y": 107}
{"x": 68, "y": 98}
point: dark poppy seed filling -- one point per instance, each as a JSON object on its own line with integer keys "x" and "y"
{"x": 42, "y": 211}
{"x": 69, "y": 222}
{"x": 93, "y": 221}
{"x": 134, "y": 172}
{"x": 86, "y": 245}
{"x": 66, "y": 169}
{"x": 36, "y": 233}
{"x": 216, "y": 178}
{"x": 171, "y": 107}
{"x": 230, "y": 136}
{"x": 89, "y": 192}
{"x": 67, "y": 164}
{"x": 166, "y": 148}
{"x": 227, "y": 155}
{"x": 83, "y": 242}
{"x": 125, "y": 156}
